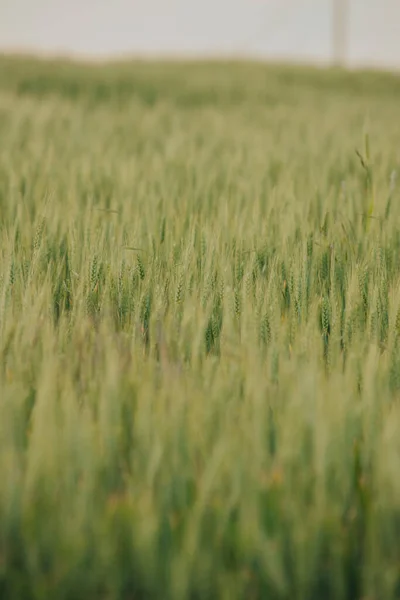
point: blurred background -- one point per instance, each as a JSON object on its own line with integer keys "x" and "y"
{"x": 352, "y": 32}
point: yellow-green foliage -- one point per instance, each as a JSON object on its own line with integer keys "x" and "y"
{"x": 199, "y": 332}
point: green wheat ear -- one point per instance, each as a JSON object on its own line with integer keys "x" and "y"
{"x": 365, "y": 161}
{"x": 370, "y": 182}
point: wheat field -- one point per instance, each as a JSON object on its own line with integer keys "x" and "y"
{"x": 199, "y": 332}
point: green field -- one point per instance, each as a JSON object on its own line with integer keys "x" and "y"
{"x": 199, "y": 332}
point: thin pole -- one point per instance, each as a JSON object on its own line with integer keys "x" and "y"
{"x": 340, "y": 31}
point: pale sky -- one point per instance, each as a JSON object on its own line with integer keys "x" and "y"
{"x": 298, "y": 29}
